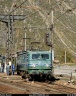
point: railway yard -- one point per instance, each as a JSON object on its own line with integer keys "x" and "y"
{"x": 37, "y": 37}
{"x": 14, "y": 84}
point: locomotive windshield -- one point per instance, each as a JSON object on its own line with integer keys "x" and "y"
{"x": 45, "y": 56}
{"x": 40, "y": 56}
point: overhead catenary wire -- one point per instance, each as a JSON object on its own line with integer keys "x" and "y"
{"x": 31, "y": 14}
{"x": 39, "y": 10}
{"x": 35, "y": 12}
{"x": 28, "y": 15}
{"x": 57, "y": 17}
{"x": 60, "y": 15}
{"x": 69, "y": 30}
{"x": 13, "y": 10}
{"x": 16, "y": 9}
{"x": 60, "y": 38}
{"x": 63, "y": 23}
{"x": 42, "y": 8}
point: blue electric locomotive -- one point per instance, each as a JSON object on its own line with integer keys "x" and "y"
{"x": 35, "y": 64}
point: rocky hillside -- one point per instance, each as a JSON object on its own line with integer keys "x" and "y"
{"x": 38, "y": 22}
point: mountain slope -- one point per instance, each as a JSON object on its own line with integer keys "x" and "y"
{"x": 38, "y": 22}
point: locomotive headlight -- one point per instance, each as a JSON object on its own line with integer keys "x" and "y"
{"x": 47, "y": 65}
{"x": 33, "y": 65}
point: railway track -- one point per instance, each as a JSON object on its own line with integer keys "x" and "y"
{"x": 38, "y": 87}
{"x": 60, "y": 88}
{"x": 17, "y": 85}
{"x": 30, "y": 88}
{"x": 6, "y": 88}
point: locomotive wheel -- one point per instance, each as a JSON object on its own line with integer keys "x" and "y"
{"x": 26, "y": 76}
{"x": 18, "y": 73}
{"x": 50, "y": 77}
{"x": 22, "y": 73}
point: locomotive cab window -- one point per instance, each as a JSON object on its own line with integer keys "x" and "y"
{"x": 35, "y": 56}
{"x": 40, "y": 56}
{"x": 45, "y": 56}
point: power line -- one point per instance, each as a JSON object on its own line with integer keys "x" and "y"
{"x": 13, "y": 10}
{"x": 40, "y": 9}
{"x": 49, "y": 13}
{"x": 54, "y": 20}
{"x": 35, "y": 12}
{"x": 64, "y": 12}
{"x": 60, "y": 16}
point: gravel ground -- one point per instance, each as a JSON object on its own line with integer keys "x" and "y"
{"x": 17, "y": 79}
{"x": 64, "y": 69}
{"x": 15, "y": 85}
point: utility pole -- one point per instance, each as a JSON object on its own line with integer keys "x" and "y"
{"x": 25, "y": 42}
{"x": 65, "y": 57}
{"x": 52, "y": 31}
{"x": 49, "y": 1}
{"x": 9, "y": 19}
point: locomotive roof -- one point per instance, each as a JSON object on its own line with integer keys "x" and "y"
{"x": 21, "y": 52}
